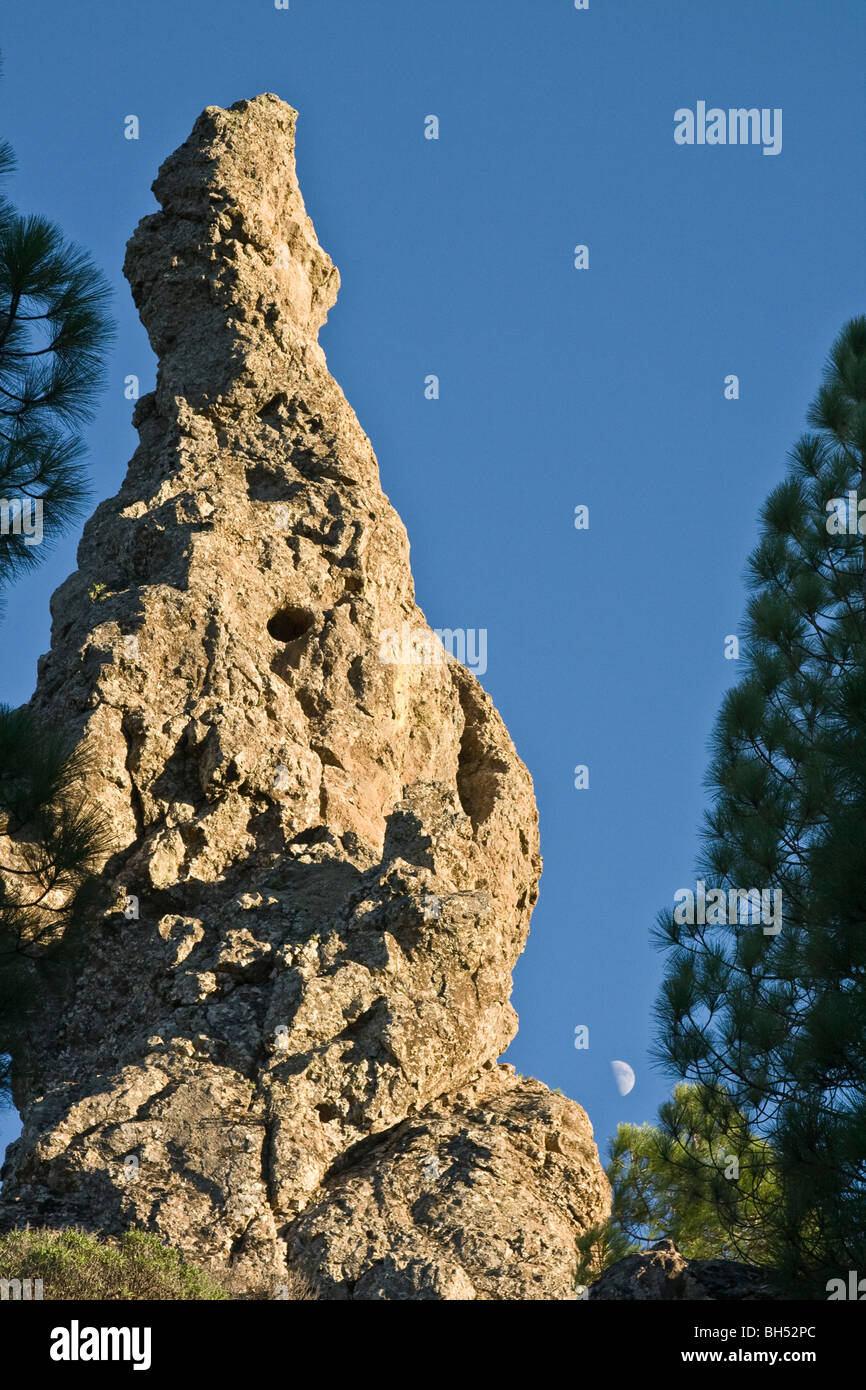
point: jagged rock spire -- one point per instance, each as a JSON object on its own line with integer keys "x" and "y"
{"x": 234, "y": 247}
{"x": 281, "y": 1041}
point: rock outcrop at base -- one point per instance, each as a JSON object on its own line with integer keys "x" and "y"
{"x": 662, "y": 1273}
{"x": 282, "y": 1039}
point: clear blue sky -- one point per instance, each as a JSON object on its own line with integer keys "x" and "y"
{"x": 558, "y": 386}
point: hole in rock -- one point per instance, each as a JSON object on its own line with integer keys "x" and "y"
{"x": 313, "y": 835}
{"x": 290, "y": 623}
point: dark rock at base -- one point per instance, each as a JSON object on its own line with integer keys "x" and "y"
{"x": 663, "y": 1273}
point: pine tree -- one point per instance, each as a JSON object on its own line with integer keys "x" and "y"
{"x": 50, "y": 837}
{"x": 770, "y": 1025}
{"x": 679, "y": 1180}
{"x": 53, "y": 334}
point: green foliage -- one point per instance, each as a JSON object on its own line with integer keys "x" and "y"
{"x": 771, "y": 1028}
{"x": 51, "y": 838}
{"x": 699, "y": 1177}
{"x": 53, "y": 335}
{"x": 74, "y": 1265}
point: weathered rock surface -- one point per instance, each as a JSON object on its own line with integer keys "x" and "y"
{"x": 662, "y": 1273}
{"x": 332, "y": 857}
